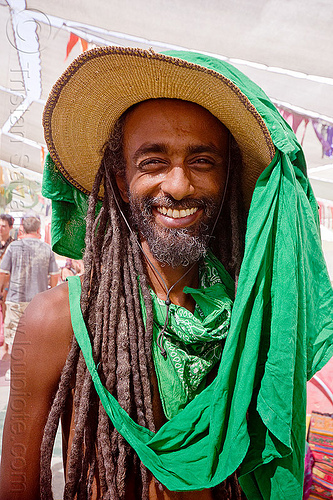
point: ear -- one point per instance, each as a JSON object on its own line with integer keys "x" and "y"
{"x": 122, "y": 186}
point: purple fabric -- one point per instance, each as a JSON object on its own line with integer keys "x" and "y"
{"x": 326, "y": 142}
{"x": 330, "y": 138}
{"x": 309, "y": 461}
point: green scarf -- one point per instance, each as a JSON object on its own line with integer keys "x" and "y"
{"x": 193, "y": 342}
{"x": 281, "y": 332}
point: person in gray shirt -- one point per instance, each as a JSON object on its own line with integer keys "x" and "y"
{"x": 28, "y": 263}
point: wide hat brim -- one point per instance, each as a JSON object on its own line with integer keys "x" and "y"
{"x": 102, "y": 83}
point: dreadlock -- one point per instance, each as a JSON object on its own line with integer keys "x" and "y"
{"x": 121, "y": 343}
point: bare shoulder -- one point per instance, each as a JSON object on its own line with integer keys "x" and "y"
{"x": 45, "y": 328}
{"x": 41, "y": 346}
{"x": 50, "y": 307}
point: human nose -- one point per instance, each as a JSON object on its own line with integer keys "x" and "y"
{"x": 177, "y": 183}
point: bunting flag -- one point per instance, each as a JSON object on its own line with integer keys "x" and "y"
{"x": 84, "y": 44}
{"x": 42, "y": 157}
{"x": 294, "y": 119}
{"x": 324, "y": 131}
{"x": 325, "y": 136}
{"x": 306, "y": 122}
{"x": 73, "y": 39}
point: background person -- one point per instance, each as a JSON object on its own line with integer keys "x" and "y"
{"x": 67, "y": 270}
{"x": 25, "y": 268}
{"x": 6, "y": 225}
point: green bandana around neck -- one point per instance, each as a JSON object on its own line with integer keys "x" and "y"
{"x": 193, "y": 342}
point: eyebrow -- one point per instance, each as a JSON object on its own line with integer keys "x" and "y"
{"x": 150, "y": 148}
{"x": 163, "y": 148}
{"x": 204, "y": 148}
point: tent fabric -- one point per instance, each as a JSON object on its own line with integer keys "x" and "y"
{"x": 287, "y": 66}
{"x": 253, "y": 415}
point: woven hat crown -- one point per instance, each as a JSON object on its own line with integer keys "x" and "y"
{"x": 102, "y": 83}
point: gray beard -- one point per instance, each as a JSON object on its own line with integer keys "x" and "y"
{"x": 171, "y": 246}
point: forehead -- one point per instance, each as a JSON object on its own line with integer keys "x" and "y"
{"x": 4, "y": 222}
{"x": 161, "y": 119}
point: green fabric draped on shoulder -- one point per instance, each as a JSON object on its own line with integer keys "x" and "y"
{"x": 281, "y": 333}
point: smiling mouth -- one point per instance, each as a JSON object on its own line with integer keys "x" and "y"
{"x": 177, "y": 214}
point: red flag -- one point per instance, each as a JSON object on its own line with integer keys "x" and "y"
{"x": 73, "y": 39}
{"x": 84, "y": 44}
{"x": 42, "y": 156}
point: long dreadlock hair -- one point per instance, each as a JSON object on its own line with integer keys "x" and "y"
{"x": 121, "y": 344}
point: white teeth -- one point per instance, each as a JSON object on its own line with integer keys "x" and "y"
{"x": 176, "y": 214}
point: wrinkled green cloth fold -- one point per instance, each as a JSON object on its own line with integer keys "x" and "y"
{"x": 281, "y": 333}
{"x": 193, "y": 342}
{"x": 69, "y": 210}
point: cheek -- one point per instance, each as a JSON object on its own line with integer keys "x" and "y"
{"x": 143, "y": 185}
{"x": 212, "y": 185}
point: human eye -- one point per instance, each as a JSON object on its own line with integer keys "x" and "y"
{"x": 202, "y": 162}
{"x": 151, "y": 164}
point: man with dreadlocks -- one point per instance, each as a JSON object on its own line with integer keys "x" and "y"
{"x": 184, "y": 180}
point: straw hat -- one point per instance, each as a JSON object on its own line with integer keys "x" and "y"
{"x": 102, "y": 83}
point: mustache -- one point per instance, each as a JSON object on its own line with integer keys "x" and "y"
{"x": 168, "y": 202}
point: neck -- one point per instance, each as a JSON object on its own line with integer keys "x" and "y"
{"x": 187, "y": 276}
{"x": 30, "y": 235}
